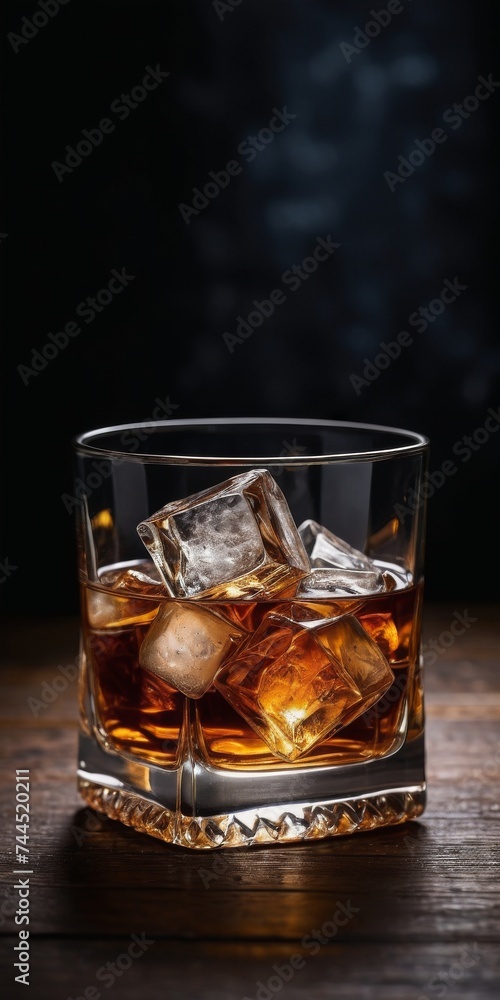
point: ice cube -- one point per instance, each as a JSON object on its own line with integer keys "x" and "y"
{"x": 287, "y": 687}
{"x": 296, "y": 684}
{"x": 141, "y": 576}
{"x": 131, "y": 596}
{"x": 234, "y": 541}
{"x": 326, "y": 549}
{"x": 348, "y": 642}
{"x": 382, "y": 629}
{"x": 311, "y": 613}
{"x": 330, "y": 583}
{"x": 186, "y": 645}
{"x": 338, "y": 570}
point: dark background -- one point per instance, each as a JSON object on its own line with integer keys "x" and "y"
{"x": 162, "y": 337}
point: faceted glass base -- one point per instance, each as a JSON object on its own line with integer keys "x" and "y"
{"x": 201, "y": 807}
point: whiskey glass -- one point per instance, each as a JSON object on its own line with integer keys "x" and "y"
{"x": 250, "y": 667}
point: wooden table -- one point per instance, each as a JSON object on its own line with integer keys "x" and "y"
{"x": 424, "y": 897}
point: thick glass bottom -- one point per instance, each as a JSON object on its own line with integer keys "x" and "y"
{"x": 202, "y": 807}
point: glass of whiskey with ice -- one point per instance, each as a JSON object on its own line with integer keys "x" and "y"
{"x": 250, "y": 668}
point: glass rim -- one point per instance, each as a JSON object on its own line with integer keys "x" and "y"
{"x": 84, "y": 444}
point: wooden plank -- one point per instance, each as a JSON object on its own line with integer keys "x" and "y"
{"x": 192, "y": 971}
{"x": 412, "y": 911}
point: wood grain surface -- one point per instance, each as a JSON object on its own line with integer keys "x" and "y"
{"x": 422, "y": 899}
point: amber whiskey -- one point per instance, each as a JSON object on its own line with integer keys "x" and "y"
{"x": 140, "y": 714}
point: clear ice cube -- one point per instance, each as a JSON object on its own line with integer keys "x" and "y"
{"x": 311, "y": 613}
{"x": 331, "y": 583}
{"x": 325, "y": 549}
{"x": 140, "y": 577}
{"x": 185, "y": 646}
{"x": 338, "y": 570}
{"x": 132, "y": 595}
{"x": 234, "y": 541}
